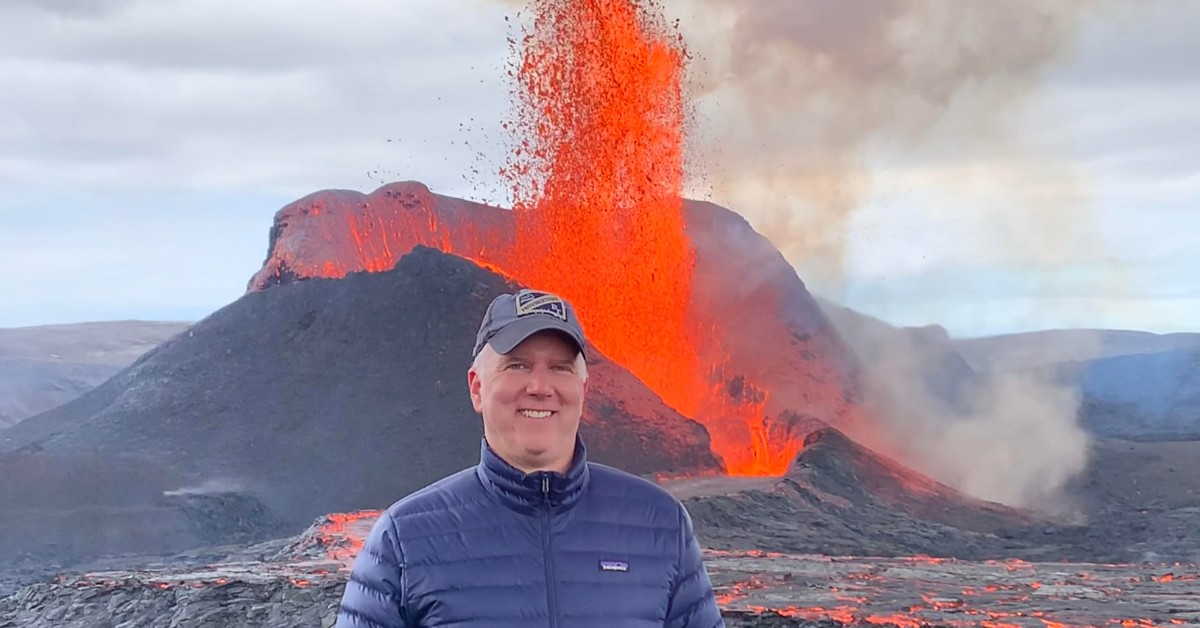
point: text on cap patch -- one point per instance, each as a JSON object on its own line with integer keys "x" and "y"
{"x": 530, "y": 302}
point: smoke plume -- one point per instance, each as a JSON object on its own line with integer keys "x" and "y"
{"x": 793, "y": 97}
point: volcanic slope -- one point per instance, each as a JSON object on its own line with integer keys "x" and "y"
{"x": 337, "y": 395}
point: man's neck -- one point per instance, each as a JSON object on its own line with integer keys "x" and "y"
{"x": 528, "y": 466}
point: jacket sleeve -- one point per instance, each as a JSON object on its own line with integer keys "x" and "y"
{"x": 374, "y": 595}
{"x": 692, "y": 603}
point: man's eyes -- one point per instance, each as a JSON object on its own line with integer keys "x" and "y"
{"x": 565, "y": 368}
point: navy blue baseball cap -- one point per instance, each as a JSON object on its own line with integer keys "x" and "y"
{"x": 511, "y": 318}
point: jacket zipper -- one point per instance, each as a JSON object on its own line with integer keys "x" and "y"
{"x": 551, "y": 597}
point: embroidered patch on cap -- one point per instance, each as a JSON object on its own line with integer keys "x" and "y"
{"x": 614, "y": 565}
{"x": 530, "y": 302}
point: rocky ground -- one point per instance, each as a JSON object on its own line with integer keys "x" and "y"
{"x": 299, "y": 582}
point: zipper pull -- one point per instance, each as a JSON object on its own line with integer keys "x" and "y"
{"x": 546, "y": 486}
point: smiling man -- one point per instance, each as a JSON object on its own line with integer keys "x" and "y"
{"x": 534, "y": 535}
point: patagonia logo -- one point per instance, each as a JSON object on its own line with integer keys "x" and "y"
{"x": 614, "y": 565}
{"x": 530, "y": 302}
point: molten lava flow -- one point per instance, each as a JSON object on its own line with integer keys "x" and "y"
{"x": 336, "y": 537}
{"x": 733, "y": 412}
{"x": 597, "y": 182}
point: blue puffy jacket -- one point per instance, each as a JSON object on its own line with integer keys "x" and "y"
{"x": 493, "y": 546}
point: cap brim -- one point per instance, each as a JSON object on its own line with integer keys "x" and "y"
{"x": 516, "y": 332}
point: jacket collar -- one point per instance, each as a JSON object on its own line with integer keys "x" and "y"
{"x": 531, "y": 492}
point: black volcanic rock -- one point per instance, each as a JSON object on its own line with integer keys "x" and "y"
{"x": 78, "y": 505}
{"x": 337, "y": 395}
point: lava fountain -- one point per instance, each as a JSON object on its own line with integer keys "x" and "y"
{"x": 597, "y": 179}
{"x": 597, "y": 182}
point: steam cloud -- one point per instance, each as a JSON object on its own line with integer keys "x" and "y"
{"x": 1010, "y": 437}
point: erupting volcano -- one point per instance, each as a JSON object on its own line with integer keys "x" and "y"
{"x": 598, "y": 217}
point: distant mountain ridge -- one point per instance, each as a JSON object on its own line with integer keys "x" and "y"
{"x": 46, "y": 366}
{"x": 1147, "y": 396}
{"x": 1043, "y": 348}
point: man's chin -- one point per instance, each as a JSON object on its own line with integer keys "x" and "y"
{"x": 535, "y": 452}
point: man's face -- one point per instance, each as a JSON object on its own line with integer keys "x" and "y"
{"x": 531, "y": 399}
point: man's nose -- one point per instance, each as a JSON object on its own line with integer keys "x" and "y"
{"x": 539, "y": 383}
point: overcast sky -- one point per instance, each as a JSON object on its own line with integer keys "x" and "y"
{"x": 145, "y": 146}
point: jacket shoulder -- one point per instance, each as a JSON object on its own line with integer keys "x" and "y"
{"x": 619, "y": 487}
{"x": 453, "y": 492}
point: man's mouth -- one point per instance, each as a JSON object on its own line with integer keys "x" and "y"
{"x": 536, "y": 414}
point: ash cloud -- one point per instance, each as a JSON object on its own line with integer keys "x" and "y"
{"x": 797, "y": 95}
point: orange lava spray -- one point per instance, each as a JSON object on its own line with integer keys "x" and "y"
{"x": 597, "y": 179}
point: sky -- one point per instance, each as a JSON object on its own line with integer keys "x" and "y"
{"x": 145, "y": 146}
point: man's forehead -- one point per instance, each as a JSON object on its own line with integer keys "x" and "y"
{"x": 549, "y": 341}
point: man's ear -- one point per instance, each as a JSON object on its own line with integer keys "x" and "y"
{"x": 473, "y": 386}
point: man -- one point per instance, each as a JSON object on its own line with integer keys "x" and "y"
{"x": 534, "y": 535}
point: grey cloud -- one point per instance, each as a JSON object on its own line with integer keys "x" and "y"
{"x": 262, "y": 36}
{"x": 1139, "y": 133}
{"x": 66, "y": 8}
{"x": 798, "y": 93}
{"x": 311, "y": 101}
